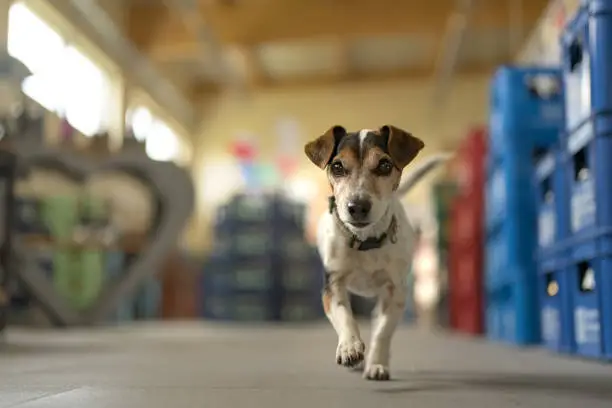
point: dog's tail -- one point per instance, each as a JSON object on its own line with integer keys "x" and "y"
{"x": 421, "y": 170}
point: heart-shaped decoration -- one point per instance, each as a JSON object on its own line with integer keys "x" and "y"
{"x": 173, "y": 186}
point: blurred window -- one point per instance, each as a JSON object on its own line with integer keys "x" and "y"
{"x": 63, "y": 80}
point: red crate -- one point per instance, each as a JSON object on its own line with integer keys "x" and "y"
{"x": 467, "y": 315}
{"x": 467, "y": 220}
{"x": 465, "y": 271}
{"x": 470, "y": 161}
{"x": 466, "y": 290}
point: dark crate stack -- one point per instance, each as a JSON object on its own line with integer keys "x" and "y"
{"x": 466, "y": 235}
{"x": 7, "y": 177}
{"x": 261, "y": 267}
{"x": 526, "y": 116}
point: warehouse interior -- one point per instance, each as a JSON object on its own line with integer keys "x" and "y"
{"x": 159, "y": 212}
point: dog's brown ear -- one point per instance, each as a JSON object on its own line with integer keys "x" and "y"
{"x": 402, "y": 146}
{"x": 320, "y": 150}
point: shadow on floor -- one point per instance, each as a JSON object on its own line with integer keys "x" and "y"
{"x": 584, "y": 385}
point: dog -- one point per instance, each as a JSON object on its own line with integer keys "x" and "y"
{"x": 365, "y": 240}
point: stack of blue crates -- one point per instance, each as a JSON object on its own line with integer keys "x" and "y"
{"x": 554, "y": 278}
{"x": 587, "y": 171}
{"x": 261, "y": 268}
{"x": 526, "y": 115}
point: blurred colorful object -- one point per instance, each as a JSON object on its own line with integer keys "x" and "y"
{"x": 243, "y": 149}
{"x": 287, "y": 165}
{"x": 248, "y": 170}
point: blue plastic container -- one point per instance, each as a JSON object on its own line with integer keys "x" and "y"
{"x": 511, "y": 313}
{"x": 552, "y": 199}
{"x": 555, "y": 285}
{"x": 526, "y": 109}
{"x": 509, "y": 191}
{"x": 592, "y": 305}
{"x": 588, "y": 170}
{"x": 586, "y": 48}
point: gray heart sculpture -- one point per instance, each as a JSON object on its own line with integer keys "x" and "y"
{"x": 175, "y": 189}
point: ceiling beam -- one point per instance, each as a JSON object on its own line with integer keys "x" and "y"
{"x": 259, "y": 21}
{"x": 322, "y": 81}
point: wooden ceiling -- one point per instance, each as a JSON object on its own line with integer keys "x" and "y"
{"x": 204, "y": 45}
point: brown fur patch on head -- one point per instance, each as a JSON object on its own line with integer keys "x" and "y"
{"x": 402, "y": 146}
{"x": 321, "y": 150}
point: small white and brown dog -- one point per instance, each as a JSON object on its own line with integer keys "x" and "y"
{"x": 365, "y": 239}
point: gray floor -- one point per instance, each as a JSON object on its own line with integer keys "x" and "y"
{"x": 202, "y": 365}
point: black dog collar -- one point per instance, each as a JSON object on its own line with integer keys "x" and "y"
{"x": 370, "y": 242}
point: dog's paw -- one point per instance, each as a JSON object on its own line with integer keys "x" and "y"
{"x": 350, "y": 352}
{"x": 358, "y": 368}
{"x": 376, "y": 372}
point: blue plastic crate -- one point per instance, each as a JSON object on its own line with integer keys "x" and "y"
{"x": 592, "y": 305}
{"x": 148, "y": 299}
{"x": 511, "y": 314}
{"x": 555, "y": 296}
{"x": 241, "y": 307}
{"x": 511, "y": 230}
{"x": 552, "y": 199}
{"x": 510, "y": 252}
{"x": 223, "y": 276}
{"x": 526, "y": 109}
{"x": 509, "y": 188}
{"x": 586, "y": 48}
{"x": 301, "y": 307}
{"x": 588, "y": 169}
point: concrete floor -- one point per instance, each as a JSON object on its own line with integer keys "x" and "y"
{"x": 202, "y": 365}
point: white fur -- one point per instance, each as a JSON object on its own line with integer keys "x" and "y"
{"x": 362, "y": 135}
{"x": 380, "y": 273}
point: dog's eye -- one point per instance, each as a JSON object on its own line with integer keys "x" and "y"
{"x": 384, "y": 167}
{"x": 338, "y": 169}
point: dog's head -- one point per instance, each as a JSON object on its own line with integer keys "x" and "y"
{"x": 364, "y": 169}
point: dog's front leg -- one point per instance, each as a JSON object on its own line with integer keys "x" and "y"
{"x": 336, "y": 302}
{"x": 388, "y": 313}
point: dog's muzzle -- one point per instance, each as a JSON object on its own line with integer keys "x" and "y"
{"x": 359, "y": 211}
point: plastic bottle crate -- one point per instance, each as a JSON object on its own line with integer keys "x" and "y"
{"x": 512, "y": 312}
{"x": 552, "y": 199}
{"x": 241, "y": 307}
{"x": 467, "y": 316}
{"x": 225, "y": 276}
{"x": 526, "y": 109}
{"x": 466, "y": 224}
{"x": 509, "y": 189}
{"x": 303, "y": 275}
{"x": 510, "y": 251}
{"x": 510, "y": 222}
{"x": 591, "y": 291}
{"x": 301, "y": 307}
{"x": 465, "y": 286}
{"x": 586, "y": 47}
{"x": 468, "y": 167}
{"x": 555, "y": 284}
{"x": 588, "y": 170}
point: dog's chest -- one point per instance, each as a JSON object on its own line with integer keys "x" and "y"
{"x": 369, "y": 272}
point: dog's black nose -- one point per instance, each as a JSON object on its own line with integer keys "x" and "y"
{"x": 359, "y": 209}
